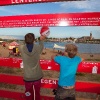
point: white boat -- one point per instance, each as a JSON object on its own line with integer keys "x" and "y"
{"x": 58, "y": 46}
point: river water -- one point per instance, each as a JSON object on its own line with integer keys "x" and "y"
{"x": 82, "y": 48}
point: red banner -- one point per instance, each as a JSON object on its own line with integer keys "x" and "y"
{"x": 87, "y": 67}
{"x": 92, "y": 87}
{"x": 15, "y": 2}
{"x": 70, "y": 19}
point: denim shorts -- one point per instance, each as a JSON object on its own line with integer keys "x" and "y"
{"x": 65, "y": 94}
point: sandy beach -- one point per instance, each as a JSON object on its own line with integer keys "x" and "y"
{"x": 47, "y": 52}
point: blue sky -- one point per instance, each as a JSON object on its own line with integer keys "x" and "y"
{"x": 57, "y": 7}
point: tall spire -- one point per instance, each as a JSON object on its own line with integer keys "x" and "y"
{"x": 91, "y": 35}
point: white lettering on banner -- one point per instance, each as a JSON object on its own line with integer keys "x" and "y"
{"x": 49, "y": 67}
{"x": 12, "y": 1}
{"x": 94, "y": 69}
{"x": 21, "y": 65}
{"x": 48, "y": 81}
{"x": 23, "y": 1}
{"x": 15, "y": 60}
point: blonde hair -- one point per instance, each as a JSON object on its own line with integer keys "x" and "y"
{"x": 71, "y": 49}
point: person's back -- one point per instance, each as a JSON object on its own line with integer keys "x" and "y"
{"x": 68, "y": 67}
{"x": 30, "y": 54}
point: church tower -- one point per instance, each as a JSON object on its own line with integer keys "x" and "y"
{"x": 90, "y": 35}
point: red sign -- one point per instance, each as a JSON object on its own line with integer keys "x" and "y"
{"x": 69, "y": 19}
{"x": 87, "y": 67}
{"x": 15, "y": 2}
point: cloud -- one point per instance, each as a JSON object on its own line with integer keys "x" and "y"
{"x": 4, "y": 9}
{"x": 13, "y": 10}
{"x": 94, "y": 28}
{"x": 91, "y": 5}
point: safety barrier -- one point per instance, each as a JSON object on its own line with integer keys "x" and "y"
{"x": 51, "y": 20}
{"x": 47, "y": 83}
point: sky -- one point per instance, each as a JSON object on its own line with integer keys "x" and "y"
{"x": 55, "y": 7}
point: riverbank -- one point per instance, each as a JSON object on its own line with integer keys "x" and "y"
{"x": 47, "y": 52}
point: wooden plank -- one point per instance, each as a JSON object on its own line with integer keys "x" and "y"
{"x": 83, "y": 86}
{"x": 19, "y": 96}
{"x": 18, "y": 80}
{"x": 91, "y": 87}
{"x": 11, "y": 94}
{"x": 83, "y": 99}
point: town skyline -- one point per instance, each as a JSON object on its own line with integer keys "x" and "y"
{"x": 55, "y": 32}
{"x": 54, "y": 7}
{"x": 15, "y": 36}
